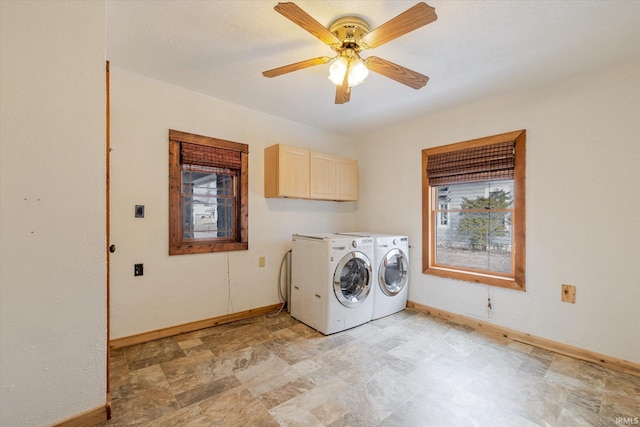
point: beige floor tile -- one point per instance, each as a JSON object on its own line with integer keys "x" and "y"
{"x": 408, "y": 369}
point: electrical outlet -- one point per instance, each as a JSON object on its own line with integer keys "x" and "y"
{"x": 569, "y": 294}
{"x": 261, "y": 261}
{"x": 138, "y": 270}
{"x": 139, "y": 211}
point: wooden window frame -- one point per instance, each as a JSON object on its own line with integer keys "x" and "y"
{"x": 515, "y": 280}
{"x": 177, "y": 244}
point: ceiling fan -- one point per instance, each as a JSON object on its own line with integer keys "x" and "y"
{"x": 350, "y": 35}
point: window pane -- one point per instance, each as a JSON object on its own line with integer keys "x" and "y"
{"x": 473, "y": 225}
{"x": 208, "y": 201}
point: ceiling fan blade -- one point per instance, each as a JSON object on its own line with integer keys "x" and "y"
{"x": 396, "y": 72}
{"x": 343, "y": 92}
{"x": 419, "y": 15}
{"x": 296, "y": 66}
{"x": 292, "y": 12}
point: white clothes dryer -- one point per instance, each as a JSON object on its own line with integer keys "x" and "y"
{"x": 332, "y": 281}
{"x": 391, "y": 272}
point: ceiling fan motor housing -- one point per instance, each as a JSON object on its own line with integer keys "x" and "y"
{"x": 350, "y": 30}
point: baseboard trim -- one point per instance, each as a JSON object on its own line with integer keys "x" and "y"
{"x": 117, "y": 343}
{"x": 88, "y": 418}
{"x": 555, "y": 346}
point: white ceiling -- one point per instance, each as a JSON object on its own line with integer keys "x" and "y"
{"x": 474, "y": 50}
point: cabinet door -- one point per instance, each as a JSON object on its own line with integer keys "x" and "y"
{"x": 323, "y": 176}
{"x": 294, "y": 172}
{"x": 346, "y": 179}
{"x": 286, "y": 171}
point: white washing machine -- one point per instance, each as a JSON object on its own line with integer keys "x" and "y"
{"x": 332, "y": 281}
{"x": 391, "y": 272}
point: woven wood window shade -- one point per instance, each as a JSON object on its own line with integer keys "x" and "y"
{"x": 203, "y": 155}
{"x": 483, "y": 163}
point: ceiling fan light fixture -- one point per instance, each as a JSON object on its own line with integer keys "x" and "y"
{"x": 338, "y": 69}
{"x": 354, "y": 67}
{"x": 358, "y": 71}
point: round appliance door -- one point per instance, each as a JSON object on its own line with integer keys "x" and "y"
{"x": 352, "y": 279}
{"x": 393, "y": 272}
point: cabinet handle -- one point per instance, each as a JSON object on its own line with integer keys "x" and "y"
{"x": 296, "y": 287}
{"x": 318, "y": 296}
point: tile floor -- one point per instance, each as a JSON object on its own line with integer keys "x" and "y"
{"x": 408, "y": 369}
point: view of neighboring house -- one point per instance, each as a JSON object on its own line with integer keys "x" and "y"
{"x": 475, "y": 217}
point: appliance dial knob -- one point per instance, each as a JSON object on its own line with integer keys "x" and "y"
{"x": 354, "y": 244}
{"x": 395, "y": 242}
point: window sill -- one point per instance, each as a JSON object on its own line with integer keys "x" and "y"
{"x": 474, "y": 277}
{"x": 202, "y": 248}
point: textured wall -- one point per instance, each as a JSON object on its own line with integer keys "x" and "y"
{"x": 52, "y": 238}
{"x": 186, "y": 288}
{"x": 582, "y": 228}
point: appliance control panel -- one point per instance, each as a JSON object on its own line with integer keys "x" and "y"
{"x": 364, "y": 243}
